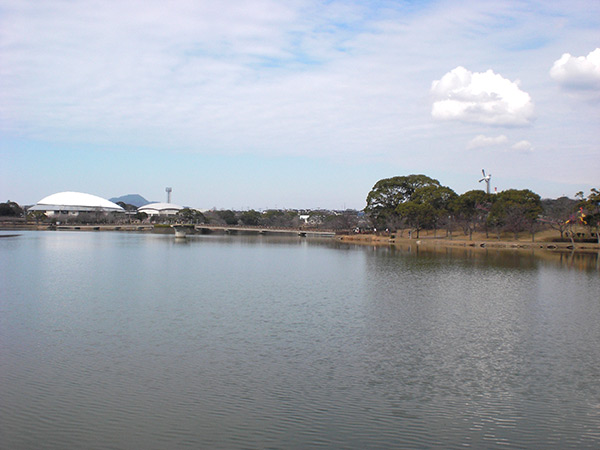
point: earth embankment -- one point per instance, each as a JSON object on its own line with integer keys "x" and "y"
{"x": 545, "y": 241}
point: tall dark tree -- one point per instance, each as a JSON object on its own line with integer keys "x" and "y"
{"x": 558, "y": 213}
{"x": 471, "y": 209}
{"x": 439, "y": 198}
{"x": 590, "y": 208}
{"x": 141, "y": 216}
{"x": 516, "y": 210}
{"x": 189, "y": 215}
{"x": 228, "y": 217}
{"x": 388, "y": 193}
{"x": 251, "y": 218}
{"x": 417, "y": 215}
{"x": 10, "y": 209}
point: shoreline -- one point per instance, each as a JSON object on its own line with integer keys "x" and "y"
{"x": 543, "y": 242}
{"x": 46, "y": 227}
{"x": 382, "y": 240}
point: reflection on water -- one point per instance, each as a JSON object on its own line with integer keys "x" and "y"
{"x": 521, "y": 258}
{"x": 116, "y": 340}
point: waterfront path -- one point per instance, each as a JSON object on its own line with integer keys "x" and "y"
{"x": 233, "y": 229}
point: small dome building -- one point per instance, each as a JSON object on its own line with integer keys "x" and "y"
{"x": 160, "y": 209}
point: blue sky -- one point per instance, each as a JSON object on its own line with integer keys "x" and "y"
{"x": 297, "y": 104}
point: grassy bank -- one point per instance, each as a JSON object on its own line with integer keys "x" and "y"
{"x": 543, "y": 240}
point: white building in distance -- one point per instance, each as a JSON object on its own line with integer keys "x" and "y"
{"x": 75, "y": 203}
{"x": 160, "y": 209}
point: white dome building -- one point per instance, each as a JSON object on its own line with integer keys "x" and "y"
{"x": 74, "y": 203}
{"x": 160, "y": 209}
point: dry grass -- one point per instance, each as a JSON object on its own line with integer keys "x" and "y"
{"x": 544, "y": 239}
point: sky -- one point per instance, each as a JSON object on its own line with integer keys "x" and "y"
{"x": 257, "y": 104}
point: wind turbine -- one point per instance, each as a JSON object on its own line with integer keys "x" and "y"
{"x": 486, "y": 178}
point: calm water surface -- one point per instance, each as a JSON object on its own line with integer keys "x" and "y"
{"x": 120, "y": 341}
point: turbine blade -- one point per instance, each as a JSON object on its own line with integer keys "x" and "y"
{"x": 483, "y": 172}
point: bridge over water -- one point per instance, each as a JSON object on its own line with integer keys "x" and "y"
{"x": 181, "y": 230}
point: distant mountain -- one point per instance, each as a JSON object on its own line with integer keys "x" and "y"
{"x": 131, "y": 199}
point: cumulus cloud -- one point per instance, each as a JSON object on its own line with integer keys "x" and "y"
{"x": 523, "y": 146}
{"x": 486, "y": 141}
{"x": 486, "y": 98}
{"x": 581, "y": 72}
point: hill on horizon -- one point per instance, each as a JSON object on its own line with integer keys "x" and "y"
{"x": 131, "y": 199}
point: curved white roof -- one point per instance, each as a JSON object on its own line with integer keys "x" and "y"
{"x": 76, "y": 200}
{"x": 160, "y": 207}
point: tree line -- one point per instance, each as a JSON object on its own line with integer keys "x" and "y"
{"x": 342, "y": 221}
{"x": 413, "y": 203}
{"x": 418, "y": 202}
{"x": 334, "y": 220}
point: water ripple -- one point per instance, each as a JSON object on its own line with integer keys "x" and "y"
{"x": 200, "y": 346}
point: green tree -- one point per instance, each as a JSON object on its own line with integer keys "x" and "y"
{"x": 189, "y": 215}
{"x": 280, "y": 218}
{"x": 251, "y": 218}
{"x": 11, "y": 209}
{"x": 558, "y": 213}
{"x": 427, "y": 207}
{"x": 228, "y": 216}
{"x": 388, "y": 193}
{"x": 439, "y": 198}
{"x": 141, "y": 216}
{"x": 516, "y": 210}
{"x": 417, "y": 215}
{"x": 471, "y": 209}
{"x": 590, "y": 207}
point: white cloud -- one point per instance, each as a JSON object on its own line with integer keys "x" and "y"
{"x": 310, "y": 78}
{"x": 486, "y": 98}
{"x": 481, "y": 141}
{"x": 523, "y": 146}
{"x": 263, "y": 76}
{"x": 581, "y": 72}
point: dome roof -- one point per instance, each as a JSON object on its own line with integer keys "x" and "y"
{"x": 76, "y": 201}
{"x": 160, "y": 207}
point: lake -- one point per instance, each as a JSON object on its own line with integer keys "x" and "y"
{"x": 115, "y": 340}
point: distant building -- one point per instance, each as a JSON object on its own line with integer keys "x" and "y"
{"x": 74, "y": 204}
{"x": 160, "y": 209}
